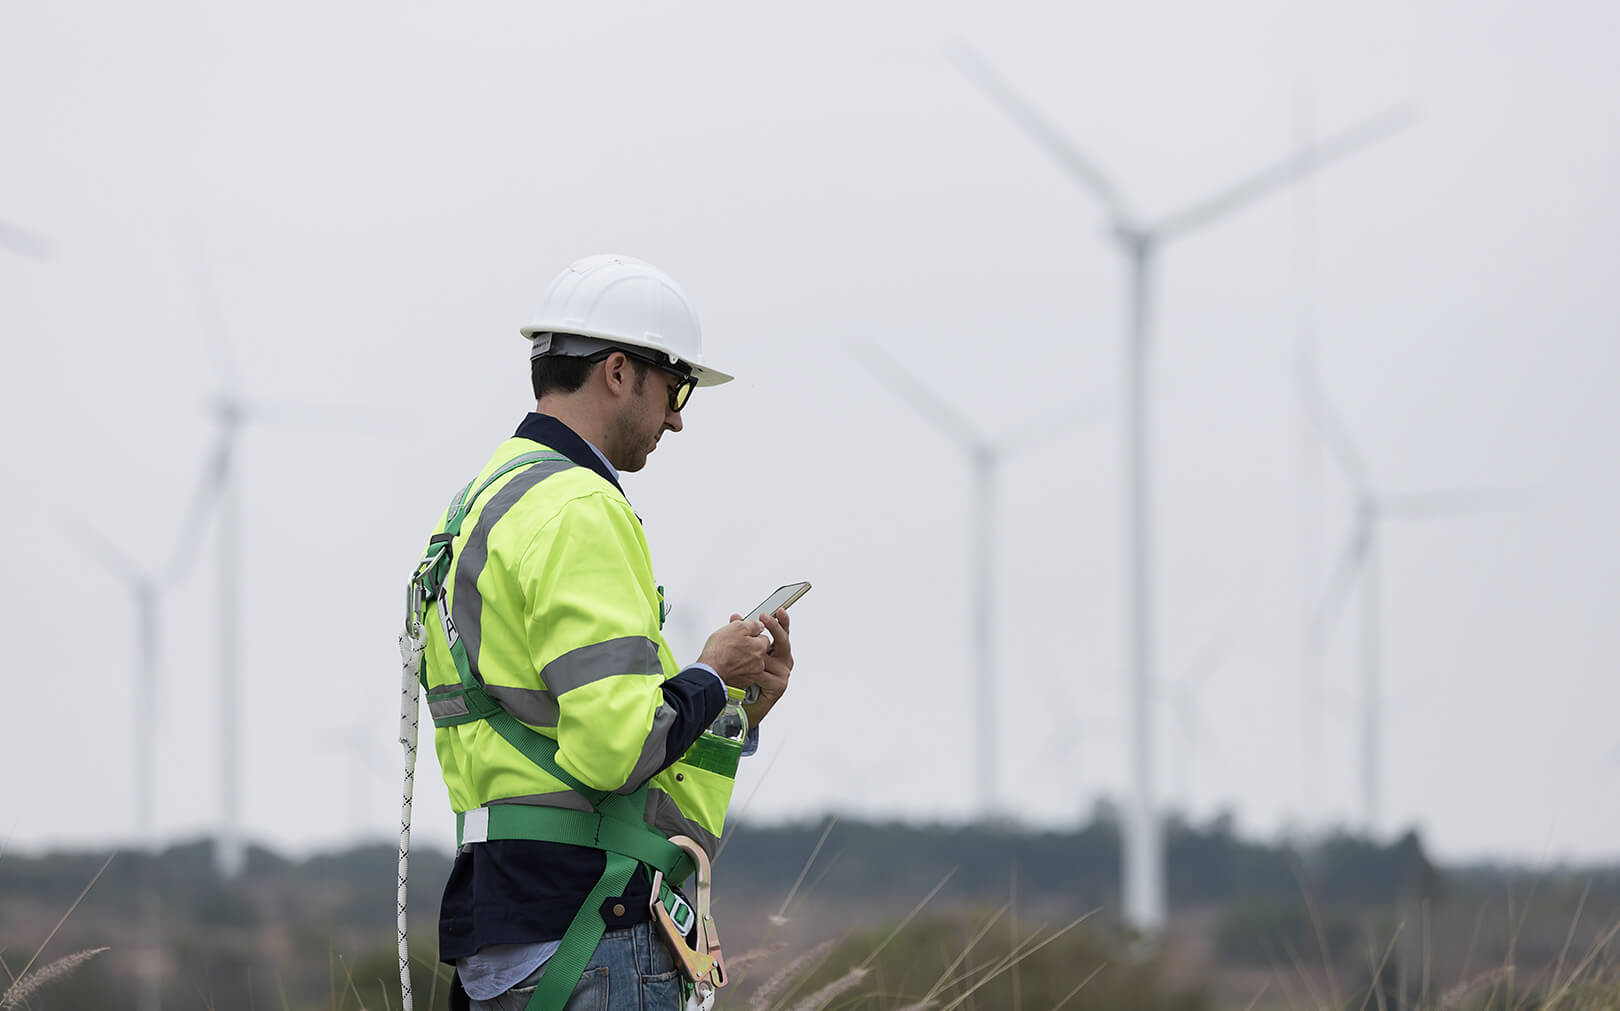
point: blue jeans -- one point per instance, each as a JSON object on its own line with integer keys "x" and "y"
{"x": 631, "y": 970}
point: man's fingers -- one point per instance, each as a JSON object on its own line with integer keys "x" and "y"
{"x": 778, "y": 628}
{"x": 782, "y": 645}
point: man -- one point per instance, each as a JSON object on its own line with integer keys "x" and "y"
{"x": 562, "y": 719}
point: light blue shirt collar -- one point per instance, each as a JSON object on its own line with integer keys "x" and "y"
{"x": 611, "y": 469}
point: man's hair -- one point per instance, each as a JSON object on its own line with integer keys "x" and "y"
{"x": 565, "y": 374}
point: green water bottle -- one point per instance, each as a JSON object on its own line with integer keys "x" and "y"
{"x": 719, "y": 748}
{"x": 732, "y": 723}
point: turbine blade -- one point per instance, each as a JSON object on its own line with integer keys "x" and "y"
{"x": 902, "y": 384}
{"x": 24, "y": 242}
{"x": 1336, "y": 148}
{"x": 210, "y": 487}
{"x": 1338, "y": 589}
{"x": 209, "y": 311}
{"x": 1023, "y": 113}
{"x": 1457, "y": 503}
{"x": 1334, "y": 432}
{"x": 97, "y": 545}
{"x": 1051, "y": 426}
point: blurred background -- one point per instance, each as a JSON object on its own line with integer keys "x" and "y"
{"x": 262, "y": 271}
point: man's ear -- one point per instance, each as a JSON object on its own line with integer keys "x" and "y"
{"x": 616, "y": 372}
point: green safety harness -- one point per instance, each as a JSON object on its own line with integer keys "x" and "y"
{"x": 615, "y": 824}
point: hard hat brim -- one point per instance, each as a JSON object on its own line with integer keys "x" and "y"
{"x": 706, "y": 375}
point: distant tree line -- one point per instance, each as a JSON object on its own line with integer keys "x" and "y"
{"x": 1208, "y": 864}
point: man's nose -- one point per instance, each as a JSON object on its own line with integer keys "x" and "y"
{"x": 672, "y": 420}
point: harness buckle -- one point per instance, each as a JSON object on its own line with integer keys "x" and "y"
{"x": 703, "y": 966}
{"x": 682, "y": 914}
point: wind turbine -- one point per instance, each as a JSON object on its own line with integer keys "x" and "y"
{"x": 146, "y": 588}
{"x": 1139, "y": 242}
{"x": 1361, "y": 556}
{"x": 219, "y": 492}
{"x": 985, "y": 459}
{"x": 1181, "y": 696}
{"x": 144, "y": 591}
{"x": 233, "y": 411}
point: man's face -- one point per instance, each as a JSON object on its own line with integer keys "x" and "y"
{"x": 644, "y": 417}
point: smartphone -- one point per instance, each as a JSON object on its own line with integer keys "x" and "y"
{"x": 783, "y": 597}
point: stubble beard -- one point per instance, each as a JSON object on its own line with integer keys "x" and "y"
{"x": 633, "y": 447}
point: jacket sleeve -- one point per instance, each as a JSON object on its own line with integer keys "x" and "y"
{"x": 697, "y": 697}
{"x": 591, "y": 617}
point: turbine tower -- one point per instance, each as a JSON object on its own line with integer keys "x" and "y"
{"x": 1360, "y": 557}
{"x": 1140, "y": 241}
{"x": 144, "y": 592}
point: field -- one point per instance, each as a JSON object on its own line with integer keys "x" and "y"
{"x": 851, "y": 915}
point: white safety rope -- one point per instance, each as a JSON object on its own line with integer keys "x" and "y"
{"x": 411, "y": 643}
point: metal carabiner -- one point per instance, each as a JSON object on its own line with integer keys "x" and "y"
{"x": 418, "y": 592}
{"x": 413, "y": 610}
{"x": 704, "y": 966}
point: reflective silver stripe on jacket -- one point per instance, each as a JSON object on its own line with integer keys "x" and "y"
{"x": 630, "y": 654}
{"x": 556, "y": 798}
{"x": 652, "y": 750}
{"x": 468, "y": 604}
{"x": 665, "y": 815}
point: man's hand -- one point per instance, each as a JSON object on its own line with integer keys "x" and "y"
{"x": 773, "y": 682}
{"x": 736, "y": 651}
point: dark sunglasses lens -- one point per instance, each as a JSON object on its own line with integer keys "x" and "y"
{"x": 679, "y": 395}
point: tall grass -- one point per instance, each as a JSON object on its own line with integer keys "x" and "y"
{"x": 977, "y": 958}
{"x": 26, "y": 983}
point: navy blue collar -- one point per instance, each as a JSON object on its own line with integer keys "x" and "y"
{"x": 548, "y": 431}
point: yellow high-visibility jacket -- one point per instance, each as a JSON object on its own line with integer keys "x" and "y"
{"x": 553, "y": 596}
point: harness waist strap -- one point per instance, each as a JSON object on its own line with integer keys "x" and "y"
{"x": 636, "y": 840}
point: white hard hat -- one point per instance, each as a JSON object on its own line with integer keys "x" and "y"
{"x": 623, "y": 300}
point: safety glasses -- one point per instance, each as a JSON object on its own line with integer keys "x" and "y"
{"x": 679, "y": 394}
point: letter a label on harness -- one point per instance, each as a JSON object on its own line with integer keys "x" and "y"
{"x": 450, "y": 633}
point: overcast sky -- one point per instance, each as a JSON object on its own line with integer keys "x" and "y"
{"x": 377, "y": 195}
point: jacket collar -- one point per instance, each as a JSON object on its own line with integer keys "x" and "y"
{"x": 548, "y": 431}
